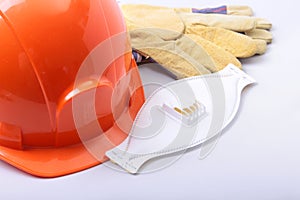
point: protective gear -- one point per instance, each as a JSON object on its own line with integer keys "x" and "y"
{"x": 173, "y": 118}
{"x": 236, "y": 18}
{"x": 216, "y": 35}
{"x": 68, "y": 84}
{"x": 164, "y": 18}
{"x": 256, "y": 28}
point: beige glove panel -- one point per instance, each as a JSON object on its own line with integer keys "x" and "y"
{"x": 220, "y": 56}
{"x": 239, "y": 45}
{"x": 139, "y": 16}
{"x": 170, "y": 53}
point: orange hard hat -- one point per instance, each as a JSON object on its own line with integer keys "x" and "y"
{"x": 69, "y": 88}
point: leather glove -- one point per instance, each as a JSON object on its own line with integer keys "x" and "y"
{"x": 161, "y": 33}
{"x": 232, "y": 18}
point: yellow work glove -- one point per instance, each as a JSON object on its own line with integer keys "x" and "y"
{"x": 242, "y": 22}
{"x": 211, "y": 27}
{"x": 255, "y": 28}
{"x": 162, "y": 45}
{"x": 196, "y": 23}
{"x": 162, "y": 34}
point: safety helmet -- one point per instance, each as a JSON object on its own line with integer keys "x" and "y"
{"x": 69, "y": 88}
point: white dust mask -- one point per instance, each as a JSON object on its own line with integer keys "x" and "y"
{"x": 181, "y": 115}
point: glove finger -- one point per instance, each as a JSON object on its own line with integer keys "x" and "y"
{"x": 220, "y": 56}
{"x": 168, "y": 54}
{"x": 263, "y": 24}
{"x": 145, "y": 16}
{"x": 260, "y": 34}
{"x": 239, "y": 10}
{"x": 230, "y": 22}
{"x": 241, "y": 46}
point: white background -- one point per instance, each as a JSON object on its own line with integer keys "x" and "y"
{"x": 257, "y": 157}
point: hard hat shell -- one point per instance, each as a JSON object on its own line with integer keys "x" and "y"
{"x": 67, "y": 79}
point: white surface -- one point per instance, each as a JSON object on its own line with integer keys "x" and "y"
{"x": 256, "y": 158}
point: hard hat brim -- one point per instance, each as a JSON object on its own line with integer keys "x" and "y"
{"x": 55, "y": 162}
